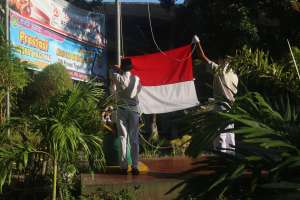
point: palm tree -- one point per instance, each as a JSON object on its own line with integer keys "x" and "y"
{"x": 62, "y": 131}
{"x": 62, "y": 138}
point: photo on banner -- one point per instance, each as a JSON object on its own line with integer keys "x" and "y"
{"x": 64, "y": 18}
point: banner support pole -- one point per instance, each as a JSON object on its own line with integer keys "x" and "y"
{"x": 8, "y": 42}
{"x": 7, "y": 19}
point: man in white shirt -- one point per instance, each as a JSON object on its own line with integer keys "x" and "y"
{"x": 127, "y": 117}
{"x": 224, "y": 88}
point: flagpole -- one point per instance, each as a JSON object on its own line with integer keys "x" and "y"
{"x": 118, "y": 4}
{"x": 118, "y": 35}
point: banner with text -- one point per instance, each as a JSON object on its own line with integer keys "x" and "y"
{"x": 41, "y": 47}
{"x": 63, "y": 17}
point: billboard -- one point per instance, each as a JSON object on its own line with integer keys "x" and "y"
{"x": 41, "y": 47}
{"x": 64, "y": 18}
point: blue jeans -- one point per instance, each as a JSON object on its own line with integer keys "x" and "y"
{"x": 128, "y": 130}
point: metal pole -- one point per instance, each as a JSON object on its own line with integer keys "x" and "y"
{"x": 7, "y": 38}
{"x": 7, "y": 19}
{"x": 118, "y": 4}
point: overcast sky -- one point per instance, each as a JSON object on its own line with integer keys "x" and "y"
{"x": 153, "y": 1}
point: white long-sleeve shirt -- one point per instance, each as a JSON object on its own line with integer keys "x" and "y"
{"x": 127, "y": 87}
{"x": 225, "y": 83}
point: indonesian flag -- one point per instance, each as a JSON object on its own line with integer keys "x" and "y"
{"x": 167, "y": 81}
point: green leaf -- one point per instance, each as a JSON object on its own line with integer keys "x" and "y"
{"x": 218, "y": 182}
{"x": 281, "y": 186}
{"x": 253, "y": 158}
{"x": 238, "y": 172}
{"x": 25, "y": 158}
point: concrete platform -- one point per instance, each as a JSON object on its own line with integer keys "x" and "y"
{"x": 163, "y": 174}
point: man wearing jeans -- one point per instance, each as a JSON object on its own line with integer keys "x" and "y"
{"x": 127, "y": 115}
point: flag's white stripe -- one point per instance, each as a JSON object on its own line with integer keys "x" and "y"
{"x": 168, "y": 98}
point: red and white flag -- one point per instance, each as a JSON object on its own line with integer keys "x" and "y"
{"x": 167, "y": 80}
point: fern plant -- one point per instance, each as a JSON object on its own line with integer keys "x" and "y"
{"x": 259, "y": 73}
{"x": 267, "y": 124}
{"x": 267, "y": 156}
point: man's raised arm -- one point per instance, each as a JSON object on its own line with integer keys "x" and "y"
{"x": 200, "y": 51}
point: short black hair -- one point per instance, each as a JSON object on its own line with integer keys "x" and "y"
{"x": 126, "y": 64}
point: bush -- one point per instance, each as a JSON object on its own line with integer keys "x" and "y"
{"x": 257, "y": 72}
{"x": 52, "y": 81}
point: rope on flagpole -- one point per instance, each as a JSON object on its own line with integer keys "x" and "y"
{"x": 155, "y": 42}
{"x": 153, "y": 146}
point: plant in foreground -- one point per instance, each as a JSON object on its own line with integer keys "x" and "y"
{"x": 267, "y": 159}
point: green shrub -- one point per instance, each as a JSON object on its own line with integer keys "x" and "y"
{"x": 52, "y": 81}
{"x": 13, "y": 76}
{"x": 266, "y": 124}
{"x": 258, "y": 72}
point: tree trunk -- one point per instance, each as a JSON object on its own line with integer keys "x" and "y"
{"x": 54, "y": 179}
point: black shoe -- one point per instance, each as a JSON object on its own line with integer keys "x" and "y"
{"x": 124, "y": 172}
{"x": 135, "y": 171}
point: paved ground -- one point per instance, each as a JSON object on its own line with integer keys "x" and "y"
{"x": 163, "y": 174}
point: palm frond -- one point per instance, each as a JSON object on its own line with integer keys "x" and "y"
{"x": 268, "y": 140}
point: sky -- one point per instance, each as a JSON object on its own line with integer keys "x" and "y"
{"x": 152, "y": 1}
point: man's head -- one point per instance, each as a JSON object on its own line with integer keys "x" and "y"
{"x": 126, "y": 64}
{"x": 223, "y": 60}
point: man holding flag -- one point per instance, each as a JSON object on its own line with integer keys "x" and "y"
{"x": 128, "y": 113}
{"x": 224, "y": 88}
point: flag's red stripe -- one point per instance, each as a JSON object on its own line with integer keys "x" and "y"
{"x": 159, "y": 69}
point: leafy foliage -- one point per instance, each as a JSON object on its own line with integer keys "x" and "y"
{"x": 16, "y": 148}
{"x": 225, "y": 26}
{"x": 63, "y": 128}
{"x": 60, "y": 137}
{"x": 13, "y": 75}
{"x": 267, "y": 156}
{"x": 12, "y": 69}
{"x": 257, "y": 71}
{"x": 266, "y": 160}
{"x": 52, "y": 81}
{"x": 62, "y": 131}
